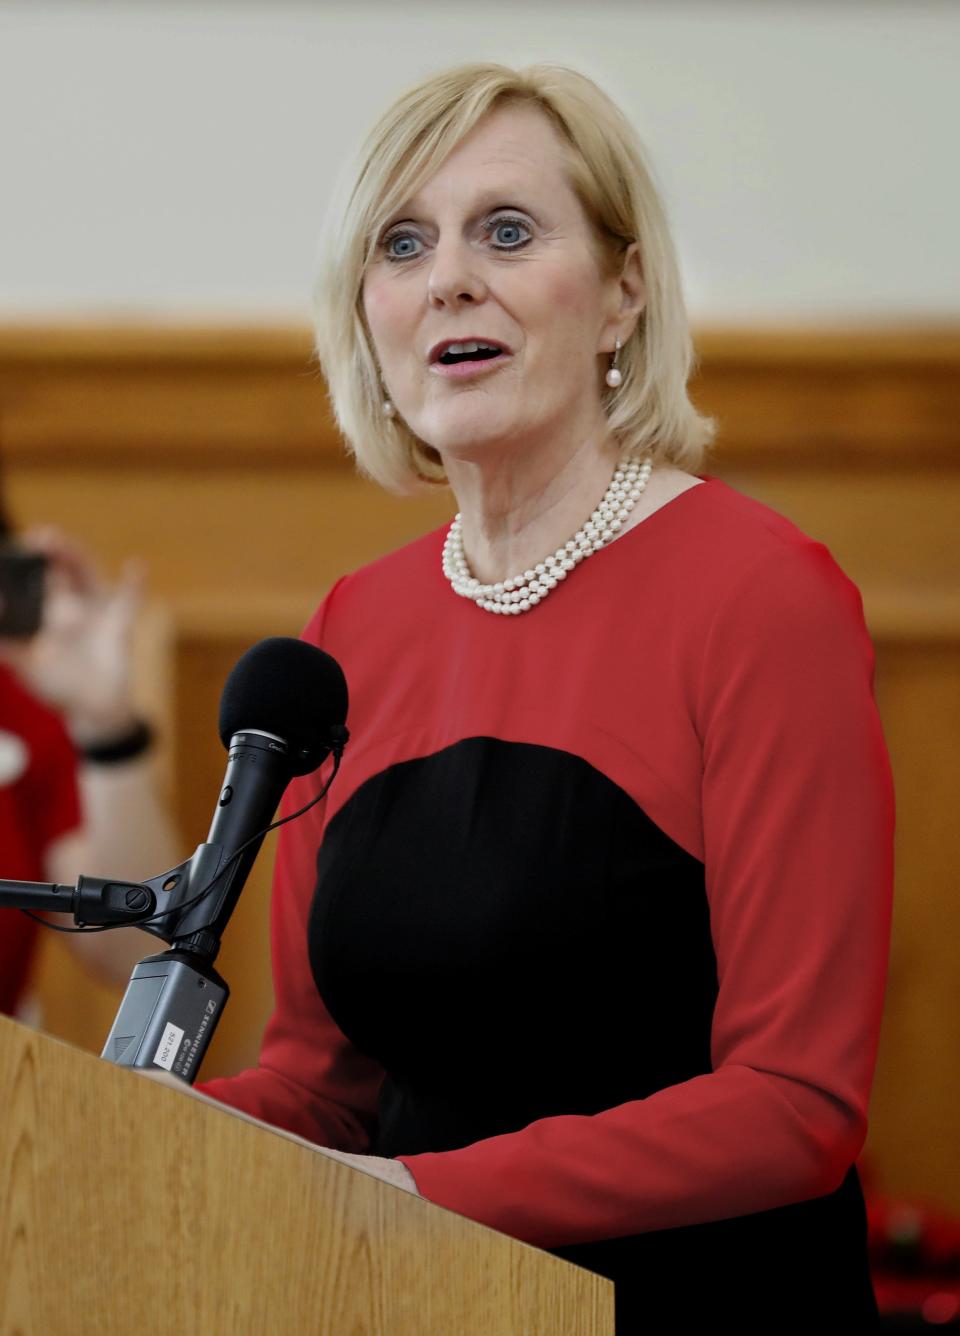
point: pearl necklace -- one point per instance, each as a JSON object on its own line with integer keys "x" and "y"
{"x": 523, "y": 592}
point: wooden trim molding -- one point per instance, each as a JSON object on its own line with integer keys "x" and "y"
{"x": 833, "y": 398}
{"x": 218, "y": 396}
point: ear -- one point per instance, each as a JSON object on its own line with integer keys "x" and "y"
{"x": 628, "y": 298}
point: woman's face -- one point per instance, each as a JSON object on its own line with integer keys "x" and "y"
{"x": 495, "y": 248}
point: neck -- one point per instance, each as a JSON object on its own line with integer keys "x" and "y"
{"x": 513, "y": 514}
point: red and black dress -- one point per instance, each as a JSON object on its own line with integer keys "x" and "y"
{"x": 592, "y": 929}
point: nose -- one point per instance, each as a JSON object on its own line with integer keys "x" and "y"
{"x": 454, "y": 278}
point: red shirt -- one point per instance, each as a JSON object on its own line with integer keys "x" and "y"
{"x": 39, "y": 802}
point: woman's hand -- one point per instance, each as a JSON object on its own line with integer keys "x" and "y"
{"x": 80, "y": 659}
{"x": 389, "y": 1171}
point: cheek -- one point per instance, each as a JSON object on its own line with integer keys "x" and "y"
{"x": 568, "y": 299}
{"x": 578, "y": 293}
{"x": 383, "y": 309}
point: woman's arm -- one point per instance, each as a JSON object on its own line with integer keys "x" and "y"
{"x": 127, "y": 832}
{"x": 80, "y": 664}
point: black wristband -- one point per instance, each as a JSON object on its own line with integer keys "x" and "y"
{"x": 124, "y": 748}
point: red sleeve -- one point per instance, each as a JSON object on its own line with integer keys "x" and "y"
{"x": 50, "y": 793}
{"x": 38, "y": 808}
{"x": 798, "y": 822}
{"x": 309, "y": 1078}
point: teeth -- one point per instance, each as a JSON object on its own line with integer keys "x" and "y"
{"x": 460, "y": 348}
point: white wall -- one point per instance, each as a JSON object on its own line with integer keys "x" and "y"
{"x": 166, "y": 157}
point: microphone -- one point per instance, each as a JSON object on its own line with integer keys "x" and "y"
{"x": 281, "y": 708}
{"x": 282, "y": 712}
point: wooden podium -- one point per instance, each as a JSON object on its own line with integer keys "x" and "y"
{"x": 128, "y": 1207}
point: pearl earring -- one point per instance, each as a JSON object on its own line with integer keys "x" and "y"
{"x": 613, "y": 376}
{"x": 388, "y": 408}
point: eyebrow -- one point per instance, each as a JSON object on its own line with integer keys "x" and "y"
{"x": 487, "y": 202}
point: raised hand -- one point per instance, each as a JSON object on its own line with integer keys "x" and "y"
{"x": 80, "y": 660}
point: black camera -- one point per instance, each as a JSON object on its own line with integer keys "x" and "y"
{"x": 22, "y": 579}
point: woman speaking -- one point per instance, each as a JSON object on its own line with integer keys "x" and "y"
{"x": 589, "y": 940}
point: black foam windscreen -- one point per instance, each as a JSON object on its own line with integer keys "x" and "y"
{"x": 287, "y": 687}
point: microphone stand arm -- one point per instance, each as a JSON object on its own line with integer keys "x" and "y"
{"x": 93, "y": 902}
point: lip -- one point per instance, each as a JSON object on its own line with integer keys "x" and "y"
{"x": 438, "y": 349}
{"x": 467, "y": 370}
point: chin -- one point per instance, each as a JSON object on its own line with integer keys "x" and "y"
{"x": 467, "y": 435}
{"x": 465, "y": 442}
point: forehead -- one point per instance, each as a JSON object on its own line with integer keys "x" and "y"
{"x": 515, "y": 147}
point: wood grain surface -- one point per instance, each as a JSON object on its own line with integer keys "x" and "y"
{"x": 128, "y": 1207}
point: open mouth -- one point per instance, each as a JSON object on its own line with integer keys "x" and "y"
{"x": 467, "y": 352}
{"x": 468, "y": 358}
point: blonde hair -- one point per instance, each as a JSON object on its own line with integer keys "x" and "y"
{"x": 651, "y": 410}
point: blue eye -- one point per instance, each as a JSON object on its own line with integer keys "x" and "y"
{"x": 513, "y": 225}
{"x": 395, "y": 255}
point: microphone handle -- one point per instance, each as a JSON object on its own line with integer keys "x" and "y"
{"x": 258, "y": 771}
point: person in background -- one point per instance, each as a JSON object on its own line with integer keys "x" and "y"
{"x": 77, "y": 789}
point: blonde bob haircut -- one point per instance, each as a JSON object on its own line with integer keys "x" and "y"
{"x": 650, "y": 410}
